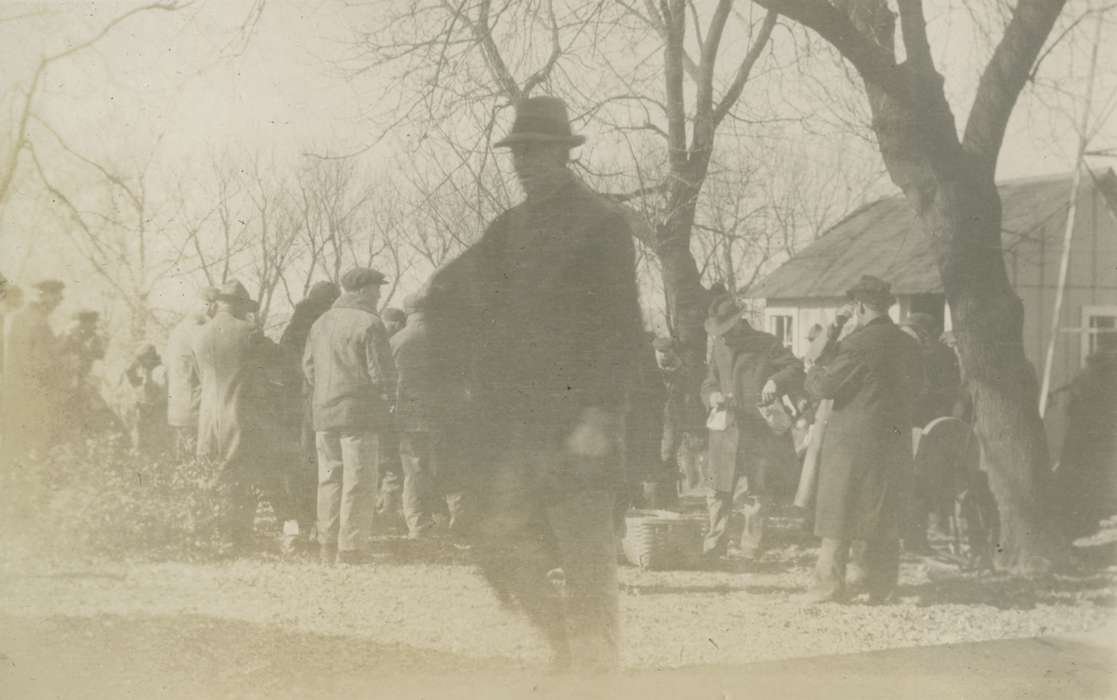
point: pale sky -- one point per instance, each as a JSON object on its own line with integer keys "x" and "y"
{"x": 183, "y": 88}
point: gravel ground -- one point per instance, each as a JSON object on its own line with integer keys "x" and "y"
{"x": 431, "y": 610}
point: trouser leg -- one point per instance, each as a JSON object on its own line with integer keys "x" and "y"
{"x": 390, "y": 479}
{"x": 583, "y": 528}
{"x": 330, "y": 470}
{"x": 719, "y": 506}
{"x": 753, "y": 539}
{"x": 515, "y": 551}
{"x": 360, "y": 456}
{"x": 418, "y": 478}
{"x": 830, "y": 569}
{"x": 857, "y": 568}
{"x": 882, "y": 568}
{"x": 239, "y": 506}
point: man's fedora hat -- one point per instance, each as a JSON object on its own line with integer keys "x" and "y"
{"x": 725, "y": 313}
{"x": 234, "y": 292}
{"x": 872, "y": 290}
{"x": 541, "y": 119}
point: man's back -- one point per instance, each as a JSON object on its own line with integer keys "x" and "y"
{"x": 183, "y": 390}
{"x": 223, "y": 351}
{"x": 348, "y": 363}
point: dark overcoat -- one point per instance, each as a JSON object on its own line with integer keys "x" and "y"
{"x": 418, "y": 394}
{"x": 873, "y": 376}
{"x": 739, "y": 370}
{"x": 534, "y": 323}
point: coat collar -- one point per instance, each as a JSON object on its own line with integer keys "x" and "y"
{"x": 349, "y": 300}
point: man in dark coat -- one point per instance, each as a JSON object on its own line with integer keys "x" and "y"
{"x": 232, "y": 356}
{"x": 421, "y": 449}
{"x": 536, "y": 328}
{"x": 348, "y": 364}
{"x": 184, "y": 391}
{"x": 872, "y": 376}
{"x": 748, "y": 368}
{"x": 302, "y": 483}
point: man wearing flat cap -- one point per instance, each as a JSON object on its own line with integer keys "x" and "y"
{"x": 536, "y": 329}
{"x": 348, "y": 366}
{"x": 232, "y": 357}
{"x": 184, "y": 389}
{"x": 872, "y": 375}
{"x": 748, "y": 368}
{"x": 82, "y": 346}
{"x": 33, "y": 378}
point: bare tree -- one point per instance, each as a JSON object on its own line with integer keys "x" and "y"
{"x": 948, "y": 179}
{"x": 9, "y": 161}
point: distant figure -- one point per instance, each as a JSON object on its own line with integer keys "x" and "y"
{"x": 683, "y": 445}
{"x": 231, "y": 355}
{"x": 749, "y": 368}
{"x": 419, "y": 399}
{"x": 184, "y": 389}
{"x": 34, "y": 380}
{"x": 11, "y": 300}
{"x": 644, "y": 430}
{"x": 348, "y": 364}
{"x": 145, "y": 402}
{"x": 394, "y": 320}
{"x": 536, "y": 327}
{"x": 303, "y": 482}
{"x": 82, "y": 346}
{"x": 872, "y": 375}
{"x": 1085, "y": 482}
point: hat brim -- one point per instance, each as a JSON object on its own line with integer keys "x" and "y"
{"x": 538, "y": 137}
{"x": 248, "y": 304}
{"x": 871, "y": 297}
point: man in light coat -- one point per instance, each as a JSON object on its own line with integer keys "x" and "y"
{"x": 748, "y": 368}
{"x": 873, "y": 376}
{"x": 232, "y": 355}
{"x": 348, "y": 365}
{"x": 184, "y": 390}
{"x": 34, "y": 380}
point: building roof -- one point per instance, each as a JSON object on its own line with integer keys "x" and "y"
{"x": 883, "y": 239}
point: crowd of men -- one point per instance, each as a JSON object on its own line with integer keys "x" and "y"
{"x": 514, "y": 400}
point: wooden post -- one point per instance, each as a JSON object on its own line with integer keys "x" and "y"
{"x": 1068, "y": 232}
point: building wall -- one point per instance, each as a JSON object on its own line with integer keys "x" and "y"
{"x": 1033, "y": 262}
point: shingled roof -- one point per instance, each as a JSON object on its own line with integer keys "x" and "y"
{"x": 883, "y": 239}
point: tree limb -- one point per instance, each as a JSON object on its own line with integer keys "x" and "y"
{"x": 733, "y": 93}
{"x": 1005, "y": 75}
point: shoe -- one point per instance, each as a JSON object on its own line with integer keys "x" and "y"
{"x": 352, "y": 557}
{"x": 819, "y": 596}
{"x": 327, "y": 555}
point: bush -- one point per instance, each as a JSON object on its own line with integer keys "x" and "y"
{"x": 97, "y": 497}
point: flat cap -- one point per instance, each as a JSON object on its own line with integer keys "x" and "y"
{"x": 361, "y": 277}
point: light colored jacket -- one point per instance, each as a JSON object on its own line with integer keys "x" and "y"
{"x": 184, "y": 390}
{"x": 349, "y": 368}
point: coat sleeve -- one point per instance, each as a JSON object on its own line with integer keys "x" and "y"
{"x": 711, "y": 383}
{"x": 381, "y": 366}
{"x": 308, "y": 360}
{"x": 838, "y": 376}
{"x": 787, "y": 370}
{"x": 609, "y": 300}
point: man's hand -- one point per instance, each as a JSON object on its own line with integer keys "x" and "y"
{"x": 769, "y": 393}
{"x": 593, "y": 436}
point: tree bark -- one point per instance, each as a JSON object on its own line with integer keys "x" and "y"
{"x": 950, "y": 186}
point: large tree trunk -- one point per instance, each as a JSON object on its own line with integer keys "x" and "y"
{"x": 963, "y": 215}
